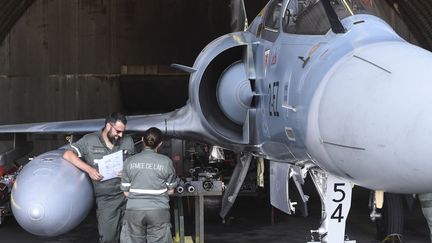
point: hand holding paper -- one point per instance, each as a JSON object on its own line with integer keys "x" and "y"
{"x": 110, "y": 165}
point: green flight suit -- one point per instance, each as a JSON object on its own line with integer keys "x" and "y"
{"x": 147, "y": 176}
{"x": 110, "y": 200}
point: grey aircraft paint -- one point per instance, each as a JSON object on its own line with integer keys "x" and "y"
{"x": 350, "y": 97}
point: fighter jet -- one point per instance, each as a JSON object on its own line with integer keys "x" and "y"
{"x": 314, "y": 87}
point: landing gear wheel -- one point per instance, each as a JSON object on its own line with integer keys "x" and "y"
{"x": 392, "y": 220}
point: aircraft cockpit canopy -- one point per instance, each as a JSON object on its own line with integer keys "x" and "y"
{"x": 308, "y": 17}
{"x": 271, "y": 21}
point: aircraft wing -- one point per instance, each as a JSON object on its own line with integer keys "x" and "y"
{"x": 76, "y": 126}
{"x": 166, "y": 122}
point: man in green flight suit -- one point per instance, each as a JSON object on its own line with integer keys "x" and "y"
{"x": 85, "y": 154}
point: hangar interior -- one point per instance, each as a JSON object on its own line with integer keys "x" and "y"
{"x": 59, "y": 56}
{"x": 82, "y": 59}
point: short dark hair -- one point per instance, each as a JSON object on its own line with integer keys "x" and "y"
{"x": 115, "y": 117}
{"x": 152, "y": 137}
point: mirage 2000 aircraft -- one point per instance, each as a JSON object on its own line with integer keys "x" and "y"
{"x": 314, "y": 87}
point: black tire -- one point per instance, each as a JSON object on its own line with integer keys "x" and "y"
{"x": 392, "y": 220}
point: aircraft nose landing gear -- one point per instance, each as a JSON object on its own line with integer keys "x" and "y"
{"x": 335, "y": 194}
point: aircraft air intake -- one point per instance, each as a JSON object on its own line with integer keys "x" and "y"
{"x": 225, "y": 94}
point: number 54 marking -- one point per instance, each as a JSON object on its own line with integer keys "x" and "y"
{"x": 337, "y": 213}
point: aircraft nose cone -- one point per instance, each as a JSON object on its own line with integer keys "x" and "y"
{"x": 36, "y": 212}
{"x": 374, "y": 118}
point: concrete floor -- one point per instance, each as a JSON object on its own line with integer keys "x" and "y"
{"x": 250, "y": 221}
{"x": 252, "y": 225}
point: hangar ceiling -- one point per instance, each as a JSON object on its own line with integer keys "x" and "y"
{"x": 10, "y": 12}
{"x": 414, "y": 13}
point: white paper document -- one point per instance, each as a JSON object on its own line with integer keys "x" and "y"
{"x": 110, "y": 165}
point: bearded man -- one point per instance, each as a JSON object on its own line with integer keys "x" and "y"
{"x": 85, "y": 154}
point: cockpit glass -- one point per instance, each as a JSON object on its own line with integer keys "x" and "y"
{"x": 273, "y": 13}
{"x": 308, "y": 17}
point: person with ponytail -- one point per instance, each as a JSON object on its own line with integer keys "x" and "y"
{"x": 147, "y": 181}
